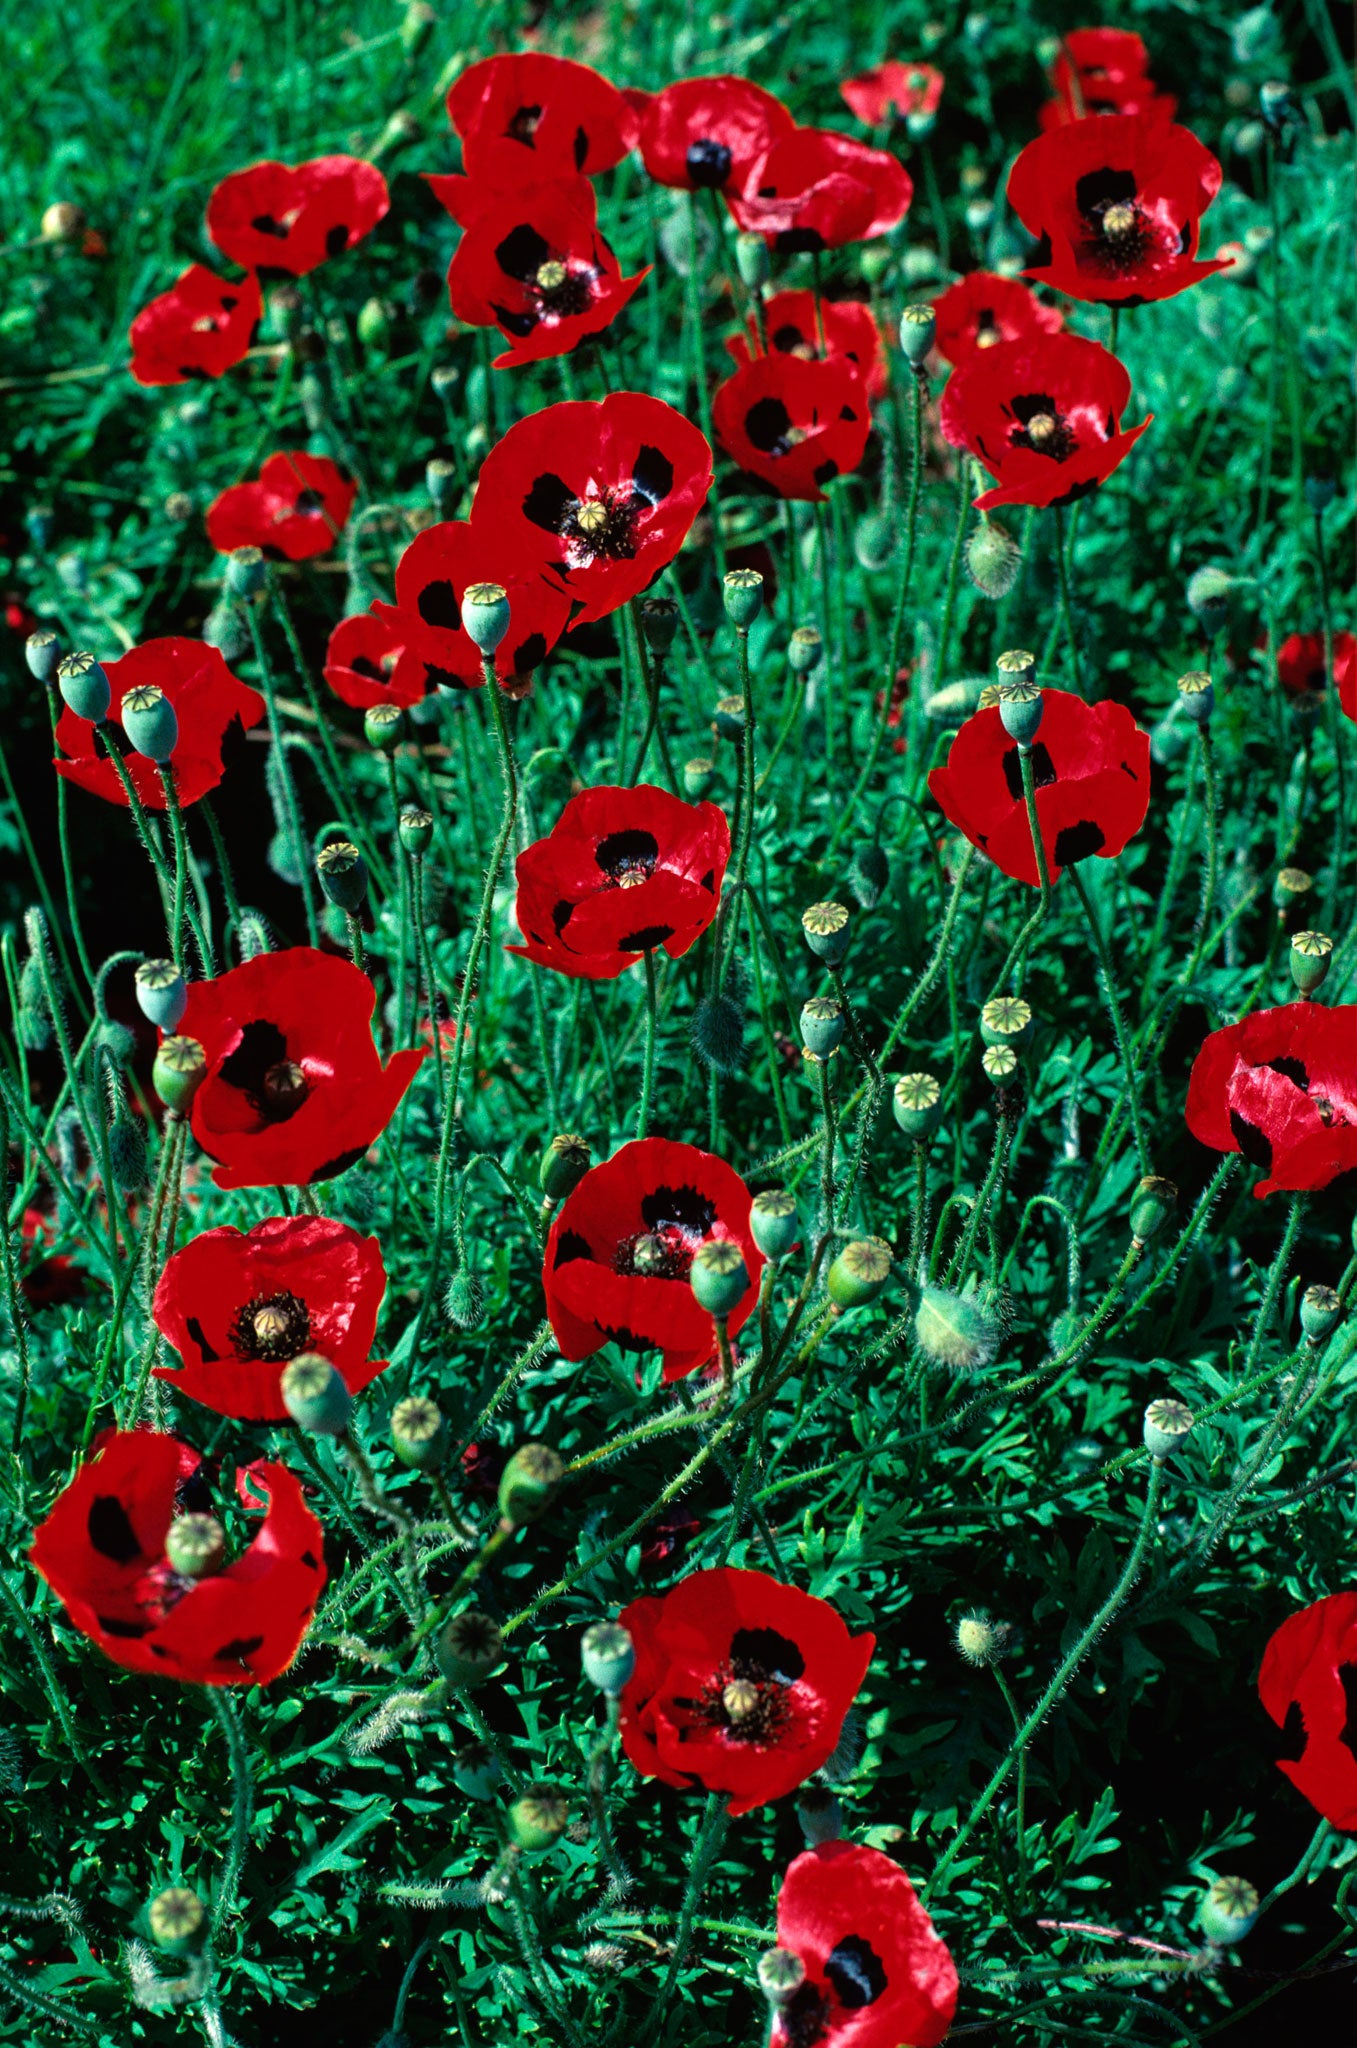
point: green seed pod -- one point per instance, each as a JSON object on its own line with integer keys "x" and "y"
{"x": 918, "y": 325}
{"x": 874, "y": 540}
{"x": 659, "y": 623}
{"x": 820, "y": 1813}
{"x": 530, "y": 1483}
{"x": 1020, "y": 711}
{"x": 955, "y": 1331}
{"x": 162, "y": 995}
{"x": 419, "y": 1433}
{"x": 773, "y": 1222}
{"x": 195, "y": 1546}
{"x": 825, "y": 926}
{"x": 1320, "y": 492}
{"x": 752, "y": 261}
{"x": 343, "y": 875}
{"x": 698, "y": 776}
{"x": 805, "y": 649}
{"x": 718, "y": 1033}
{"x": 917, "y": 1102}
{"x": 224, "y": 628}
{"x": 468, "y": 1648}
{"x": 1166, "y": 1428}
{"x": 859, "y": 1273}
{"x": 1290, "y": 887}
{"x": 742, "y": 596}
{"x": 1016, "y": 665}
{"x": 315, "y": 1395}
{"x": 127, "y": 1154}
{"x": 538, "y": 1817}
{"x": 476, "y": 1771}
{"x": 823, "y": 1025}
{"x": 1311, "y": 958}
{"x": 719, "y": 1277}
{"x": 875, "y": 260}
{"x": 416, "y": 831}
{"x": 246, "y": 572}
{"x": 373, "y": 325}
{"x": 1001, "y": 1064}
{"x": 84, "y": 686}
{"x": 440, "y": 481}
{"x": 1228, "y": 1911}
{"x": 993, "y": 559}
{"x": 564, "y": 1164}
{"x": 485, "y": 614}
{"x": 728, "y": 718}
{"x": 1321, "y": 1311}
{"x": 1196, "y": 694}
{"x": 177, "y": 1919}
{"x": 781, "y": 1974}
{"x": 1152, "y": 1204}
{"x": 147, "y": 717}
{"x": 608, "y": 1656}
{"x": 179, "y": 1071}
{"x": 1006, "y": 1020}
{"x": 42, "y": 652}
{"x": 384, "y": 727}
{"x": 1168, "y": 739}
{"x": 869, "y": 874}
{"x": 1208, "y": 597}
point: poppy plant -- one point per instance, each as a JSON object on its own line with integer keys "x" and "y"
{"x": 794, "y": 422}
{"x": 102, "y": 1551}
{"x": 709, "y": 134}
{"x": 294, "y": 509}
{"x": 1103, "y": 71}
{"x": 432, "y": 577}
{"x": 877, "y": 1972}
{"x": 1308, "y": 1686}
{"x": 615, "y": 1269}
{"x": 1043, "y": 416}
{"x": 211, "y": 706}
{"x": 741, "y": 1684}
{"x": 1116, "y": 207}
{"x": 367, "y": 661}
{"x": 817, "y": 189}
{"x": 201, "y": 327}
{"x": 1300, "y": 667}
{"x": 894, "y": 92}
{"x": 793, "y": 324}
{"x": 535, "y": 265}
{"x": 1280, "y": 1086}
{"x": 600, "y": 493}
{"x": 295, "y": 1089}
{"x": 623, "y": 872}
{"x": 1091, "y": 767}
{"x": 294, "y": 217}
{"x": 526, "y": 117}
{"x": 237, "y": 1305}
{"x": 983, "y": 309}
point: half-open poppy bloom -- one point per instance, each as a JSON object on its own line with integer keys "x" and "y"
{"x": 793, "y": 329}
{"x": 1116, "y": 206}
{"x": 526, "y": 117}
{"x": 212, "y": 707}
{"x": 817, "y": 189}
{"x": 1308, "y": 1685}
{"x": 1043, "y": 416}
{"x": 1300, "y": 667}
{"x": 295, "y": 1090}
{"x": 293, "y": 217}
{"x": 615, "y": 1269}
{"x": 432, "y": 577}
{"x": 793, "y": 421}
{"x": 894, "y": 92}
{"x": 622, "y": 872}
{"x": 201, "y": 327}
{"x": 877, "y": 1973}
{"x": 741, "y": 1684}
{"x": 237, "y": 1305}
{"x": 1281, "y": 1087}
{"x": 601, "y": 493}
{"x": 1103, "y": 71}
{"x": 535, "y": 265}
{"x": 295, "y": 509}
{"x": 102, "y": 1551}
{"x": 709, "y": 134}
{"x": 1091, "y": 767}
{"x": 368, "y": 662}
{"x": 983, "y": 309}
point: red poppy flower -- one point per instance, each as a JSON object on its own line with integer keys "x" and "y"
{"x": 102, "y": 1551}
{"x": 535, "y": 266}
{"x": 295, "y": 1089}
{"x": 1116, "y": 205}
{"x": 201, "y": 327}
{"x": 817, "y": 189}
{"x": 894, "y": 92}
{"x": 1300, "y": 667}
{"x": 983, "y": 310}
{"x": 293, "y": 511}
{"x": 1043, "y": 416}
{"x": 237, "y": 1305}
{"x": 294, "y": 217}
{"x": 794, "y": 422}
{"x": 601, "y": 493}
{"x": 367, "y": 661}
{"x": 793, "y": 329}
{"x": 1308, "y": 1685}
{"x": 1091, "y": 766}
{"x": 212, "y": 706}
{"x": 877, "y": 1973}
{"x": 710, "y": 133}
{"x": 741, "y": 1683}
{"x": 1281, "y": 1087}
{"x": 1103, "y": 71}
{"x": 431, "y": 579}
{"x": 616, "y": 1264}
{"x": 527, "y": 117}
{"x": 622, "y": 872}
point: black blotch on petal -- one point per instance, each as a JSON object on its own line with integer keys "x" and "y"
{"x": 846, "y": 412}
{"x": 205, "y": 1350}
{"x": 336, "y": 239}
{"x": 131, "y": 1630}
{"x": 1025, "y": 405}
{"x": 265, "y": 224}
{"x": 341, "y": 1163}
{"x": 437, "y": 606}
{"x": 308, "y": 1558}
{"x": 570, "y": 1245}
{"x": 786, "y": 338}
{"x": 363, "y": 666}
{"x": 1291, "y": 1069}
{"x": 561, "y": 914}
{"x": 581, "y": 148}
{"x": 522, "y": 253}
{"x": 1256, "y": 1148}
{"x": 1078, "y": 842}
{"x": 1041, "y": 255}
{"x": 262, "y": 1045}
{"x": 549, "y": 503}
{"x": 519, "y": 324}
{"x": 708, "y": 163}
{"x": 530, "y": 653}
{"x": 228, "y": 302}
{"x": 709, "y": 881}
{"x": 653, "y": 475}
{"x": 1097, "y": 190}
{"x": 799, "y": 241}
{"x": 767, "y": 423}
{"x": 1043, "y": 770}
{"x": 237, "y": 1650}
{"x": 110, "y": 1530}
{"x": 682, "y": 1206}
{"x": 1347, "y": 1678}
{"x": 625, "y": 1339}
{"x": 856, "y": 1971}
{"x": 1287, "y": 1745}
{"x": 629, "y": 849}
{"x": 775, "y": 1655}
{"x": 646, "y": 940}
{"x": 825, "y": 472}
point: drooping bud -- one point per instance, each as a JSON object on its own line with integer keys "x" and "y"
{"x": 826, "y": 928}
{"x": 529, "y": 1483}
{"x": 147, "y": 717}
{"x": 718, "y": 1033}
{"x": 1320, "y": 492}
{"x": 917, "y": 1101}
{"x": 419, "y": 1433}
{"x": 742, "y": 595}
{"x": 874, "y": 539}
{"x": 42, "y": 652}
{"x": 1228, "y": 1911}
{"x": 315, "y": 1396}
{"x": 1197, "y": 695}
{"x": 179, "y": 1071}
{"x": 752, "y": 261}
{"x": 195, "y": 1546}
{"x": 564, "y": 1164}
{"x": 538, "y": 1817}
{"x": 918, "y": 325}
{"x": 1311, "y": 958}
{"x": 953, "y": 1330}
{"x": 1166, "y": 1428}
{"x": 246, "y": 572}
{"x": 468, "y": 1648}
{"x": 719, "y": 1277}
{"x": 773, "y": 1222}
{"x": 823, "y": 1025}
{"x": 1006, "y": 1020}
{"x": 177, "y": 1919}
{"x": 485, "y": 614}
{"x": 373, "y": 325}
{"x": 659, "y": 623}
{"x": 84, "y": 686}
{"x": 608, "y": 1656}
{"x": 384, "y": 727}
{"x": 781, "y": 1974}
{"x": 343, "y": 875}
{"x": 804, "y": 649}
{"x": 416, "y": 831}
{"x": 465, "y": 1300}
{"x": 1152, "y": 1204}
{"x": 869, "y": 873}
{"x": 993, "y": 559}
{"x": 859, "y": 1273}
{"x": 162, "y": 995}
{"x": 1321, "y": 1310}
{"x": 698, "y": 776}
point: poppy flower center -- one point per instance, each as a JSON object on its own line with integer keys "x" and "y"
{"x": 523, "y": 124}
{"x": 1119, "y": 222}
{"x": 271, "y": 1328}
{"x": 1042, "y": 427}
{"x": 663, "y": 1254}
{"x": 561, "y": 291}
{"x": 627, "y": 858}
{"x": 284, "y": 1090}
{"x": 1108, "y": 202}
{"x": 708, "y": 162}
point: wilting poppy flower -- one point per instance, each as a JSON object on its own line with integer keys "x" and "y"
{"x": 794, "y": 422}
{"x": 983, "y": 310}
{"x": 894, "y": 91}
{"x": 793, "y": 329}
{"x": 622, "y": 872}
{"x": 600, "y": 493}
{"x": 201, "y": 327}
{"x": 526, "y": 117}
{"x": 877, "y": 1974}
{"x": 212, "y": 708}
{"x": 741, "y": 1683}
{"x": 710, "y": 133}
{"x": 616, "y": 1264}
{"x": 431, "y": 578}
{"x": 535, "y": 266}
{"x": 817, "y": 189}
{"x": 295, "y": 1089}
{"x": 102, "y": 1551}
{"x": 1043, "y": 416}
{"x": 1116, "y": 205}
{"x": 1308, "y": 1685}
{"x": 237, "y": 1305}
{"x": 293, "y": 217}
{"x": 367, "y": 661}
{"x": 294, "y": 510}
{"x": 1091, "y": 766}
{"x": 1281, "y": 1087}
{"x": 1300, "y": 667}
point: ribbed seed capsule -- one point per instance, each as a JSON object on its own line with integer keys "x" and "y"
{"x": 1311, "y": 958}
{"x": 917, "y": 1101}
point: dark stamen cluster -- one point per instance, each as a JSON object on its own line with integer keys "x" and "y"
{"x": 744, "y": 1701}
{"x": 271, "y": 1328}
{"x": 654, "y": 1255}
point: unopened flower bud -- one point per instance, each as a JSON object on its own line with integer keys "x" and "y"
{"x": 177, "y": 1919}
{"x": 719, "y": 1277}
{"x": 869, "y": 873}
{"x": 781, "y": 1974}
{"x": 820, "y": 1814}
{"x": 564, "y": 1165}
{"x": 742, "y": 595}
{"x": 917, "y": 1101}
{"x": 1321, "y": 1310}
{"x": 875, "y": 260}
{"x": 416, "y": 831}
{"x": 246, "y": 571}
{"x": 1228, "y": 1911}
{"x": 162, "y": 995}
{"x": 384, "y": 727}
{"x": 823, "y": 1025}
{"x": 1196, "y": 694}
{"x": 918, "y": 325}
{"x": 804, "y": 649}
{"x": 1311, "y": 958}
{"x": 529, "y": 1483}
{"x": 84, "y": 686}
{"x": 752, "y": 260}
{"x": 147, "y": 717}
{"x": 955, "y": 1330}
{"x": 343, "y": 875}
{"x": 179, "y": 1071}
{"x": 419, "y": 1433}
{"x": 1166, "y": 1428}
{"x": 608, "y": 1656}
{"x": 993, "y": 559}
{"x": 1208, "y": 597}
{"x": 698, "y": 776}
{"x": 1006, "y": 1020}
{"x": 538, "y": 1817}
{"x": 773, "y": 1222}
{"x": 195, "y": 1546}
{"x": 718, "y": 1033}
{"x": 476, "y": 1771}
{"x": 42, "y": 652}
{"x": 373, "y": 325}
{"x": 874, "y": 539}
{"x": 659, "y": 623}
{"x": 859, "y": 1273}
{"x": 315, "y": 1396}
{"x": 485, "y": 614}
{"x": 826, "y": 929}
{"x": 468, "y": 1648}
{"x": 1152, "y": 1204}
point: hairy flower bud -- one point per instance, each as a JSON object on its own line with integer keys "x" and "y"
{"x": 1152, "y": 1204}
{"x": 718, "y": 1033}
{"x": 993, "y": 559}
{"x": 820, "y": 1814}
{"x": 869, "y": 874}
{"x": 953, "y": 1330}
